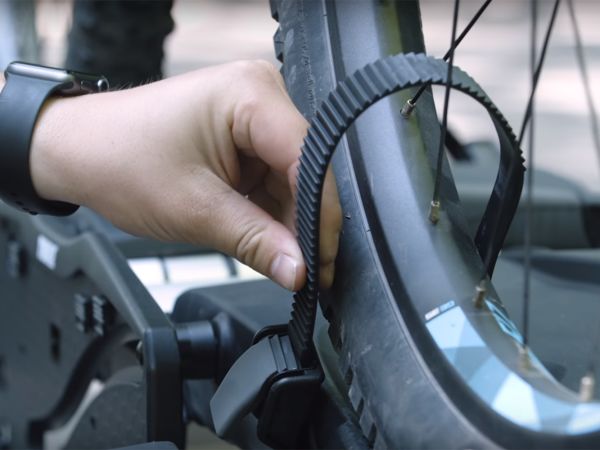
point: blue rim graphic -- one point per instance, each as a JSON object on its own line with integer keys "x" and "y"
{"x": 503, "y": 389}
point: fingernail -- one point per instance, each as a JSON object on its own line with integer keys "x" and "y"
{"x": 283, "y": 271}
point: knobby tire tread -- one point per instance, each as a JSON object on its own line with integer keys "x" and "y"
{"x": 355, "y": 396}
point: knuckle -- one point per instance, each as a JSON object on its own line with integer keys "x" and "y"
{"x": 258, "y": 70}
{"x": 258, "y": 81}
{"x": 247, "y": 248}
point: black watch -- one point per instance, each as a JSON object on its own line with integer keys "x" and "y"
{"x": 27, "y": 87}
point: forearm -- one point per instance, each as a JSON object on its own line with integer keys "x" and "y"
{"x": 88, "y": 150}
{"x": 208, "y": 158}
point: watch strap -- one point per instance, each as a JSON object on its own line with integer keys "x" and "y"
{"x": 20, "y": 103}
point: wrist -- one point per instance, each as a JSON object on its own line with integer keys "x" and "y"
{"x": 24, "y": 109}
{"x": 50, "y": 159}
{"x": 44, "y": 162}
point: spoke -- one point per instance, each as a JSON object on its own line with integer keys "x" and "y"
{"x": 435, "y": 203}
{"x": 530, "y": 172}
{"x": 587, "y": 384}
{"x": 455, "y": 43}
{"x": 538, "y": 71}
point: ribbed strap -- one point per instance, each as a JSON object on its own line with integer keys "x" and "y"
{"x": 342, "y": 107}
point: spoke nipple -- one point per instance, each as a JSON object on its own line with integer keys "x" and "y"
{"x": 586, "y": 387}
{"x": 524, "y": 358}
{"x": 434, "y": 211}
{"x": 408, "y": 108}
{"x": 480, "y": 291}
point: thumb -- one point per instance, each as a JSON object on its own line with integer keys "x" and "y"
{"x": 240, "y": 228}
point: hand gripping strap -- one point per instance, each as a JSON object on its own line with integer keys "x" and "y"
{"x": 342, "y": 107}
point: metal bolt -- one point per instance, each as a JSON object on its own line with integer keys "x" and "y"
{"x": 408, "y": 108}
{"x": 479, "y": 297}
{"x": 586, "y": 387}
{"x": 524, "y": 358}
{"x": 434, "y": 211}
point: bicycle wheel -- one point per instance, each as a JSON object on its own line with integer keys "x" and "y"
{"x": 423, "y": 366}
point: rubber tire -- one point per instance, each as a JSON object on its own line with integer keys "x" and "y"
{"x": 391, "y": 391}
{"x": 393, "y": 266}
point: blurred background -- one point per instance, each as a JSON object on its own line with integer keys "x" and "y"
{"x": 496, "y": 54}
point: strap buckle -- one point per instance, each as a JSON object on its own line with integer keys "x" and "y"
{"x": 269, "y": 381}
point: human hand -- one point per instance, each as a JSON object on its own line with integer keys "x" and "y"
{"x": 209, "y": 157}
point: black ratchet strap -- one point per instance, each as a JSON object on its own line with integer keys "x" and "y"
{"x": 279, "y": 375}
{"x": 345, "y": 103}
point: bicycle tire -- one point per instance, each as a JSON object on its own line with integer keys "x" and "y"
{"x": 397, "y": 274}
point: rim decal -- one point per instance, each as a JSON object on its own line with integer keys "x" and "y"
{"x": 500, "y": 387}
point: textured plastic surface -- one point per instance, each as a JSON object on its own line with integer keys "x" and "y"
{"x": 116, "y": 417}
{"x": 239, "y": 392}
{"x": 40, "y": 332}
